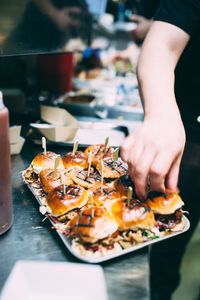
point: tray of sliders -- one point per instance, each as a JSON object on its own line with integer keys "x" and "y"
{"x": 90, "y": 200}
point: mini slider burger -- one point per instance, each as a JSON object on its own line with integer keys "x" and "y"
{"x": 102, "y": 195}
{"x": 123, "y": 183}
{"x": 167, "y": 210}
{"x": 45, "y": 161}
{"x": 82, "y": 178}
{"x": 99, "y": 152}
{"x": 51, "y": 179}
{"x": 66, "y": 198}
{"x": 93, "y": 224}
{"x": 113, "y": 169}
{"x": 75, "y": 159}
{"x": 132, "y": 214}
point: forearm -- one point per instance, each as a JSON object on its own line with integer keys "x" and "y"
{"x": 159, "y": 56}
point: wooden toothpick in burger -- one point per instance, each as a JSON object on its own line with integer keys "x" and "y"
{"x": 63, "y": 182}
{"x": 90, "y": 163}
{"x": 115, "y": 156}
{"x": 92, "y": 205}
{"x": 129, "y": 195}
{"x": 102, "y": 168}
{"x": 44, "y": 145}
{"x": 75, "y": 148}
{"x": 56, "y": 162}
{"x": 106, "y": 143}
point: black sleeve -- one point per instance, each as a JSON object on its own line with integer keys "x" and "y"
{"x": 184, "y": 14}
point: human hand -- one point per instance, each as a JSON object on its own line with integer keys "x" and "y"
{"x": 143, "y": 26}
{"x": 67, "y": 17}
{"x": 154, "y": 151}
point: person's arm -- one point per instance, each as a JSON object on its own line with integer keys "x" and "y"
{"x": 156, "y": 148}
{"x": 62, "y": 18}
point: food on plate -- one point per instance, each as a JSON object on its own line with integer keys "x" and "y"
{"x": 99, "y": 152}
{"x": 90, "y": 198}
{"x": 113, "y": 169}
{"x": 93, "y": 224}
{"x": 132, "y": 214}
{"x": 102, "y": 195}
{"x": 51, "y": 179}
{"x": 75, "y": 160}
{"x": 167, "y": 210}
{"x": 45, "y": 161}
{"x": 66, "y": 198}
{"x": 81, "y": 178}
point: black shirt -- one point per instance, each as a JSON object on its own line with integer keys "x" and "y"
{"x": 185, "y": 14}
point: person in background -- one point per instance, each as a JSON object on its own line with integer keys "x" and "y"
{"x": 168, "y": 74}
{"x": 47, "y": 25}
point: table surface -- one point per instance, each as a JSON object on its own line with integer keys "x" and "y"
{"x": 31, "y": 238}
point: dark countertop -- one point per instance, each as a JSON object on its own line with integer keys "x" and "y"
{"x": 30, "y": 238}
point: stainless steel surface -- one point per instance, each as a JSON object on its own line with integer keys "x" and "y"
{"x": 30, "y": 238}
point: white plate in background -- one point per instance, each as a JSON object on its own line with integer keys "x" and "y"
{"x": 37, "y": 280}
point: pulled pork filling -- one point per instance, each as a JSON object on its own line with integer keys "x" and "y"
{"x": 168, "y": 221}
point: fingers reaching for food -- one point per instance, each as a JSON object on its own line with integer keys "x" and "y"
{"x": 153, "y": 156}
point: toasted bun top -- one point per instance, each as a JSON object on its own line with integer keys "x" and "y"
{"x": 78, "y": 160}
{"x": 99, "y": 152}
{"x": 123, "y": 183}
{"x": 101, "y": 196}
{"x": 93, "y": 224}
{"x": 81, "y": 178}
{"x": 132, "y": 215}
{"x": 59, "y": 203}
{"x": 50, "y": 179}
{"x": 113, "y": 169}
{"x": 42, "y": 161}
{"x": 164, "y": 204}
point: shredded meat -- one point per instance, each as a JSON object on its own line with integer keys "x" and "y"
{"x": 168, "y": 221}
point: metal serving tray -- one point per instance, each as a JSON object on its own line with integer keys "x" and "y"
{"x": 67, "y": 241}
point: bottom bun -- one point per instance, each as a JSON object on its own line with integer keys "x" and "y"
{"x": 179, "y": 227}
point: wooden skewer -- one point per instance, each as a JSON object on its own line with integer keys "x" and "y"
{"x": 115, "y": 155}
{"x": 56, "y": 162}
{"x": 75, "y": 148}
{"x": 106, "y": 143}
{"x": 92, "y": 205}
{"x": 102, "y": 167}
{"x": 44, "y": 145}
{"x": 63, "y": 183}
{"x": 129, "y": 195}
{"x": 90, "y": 163}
